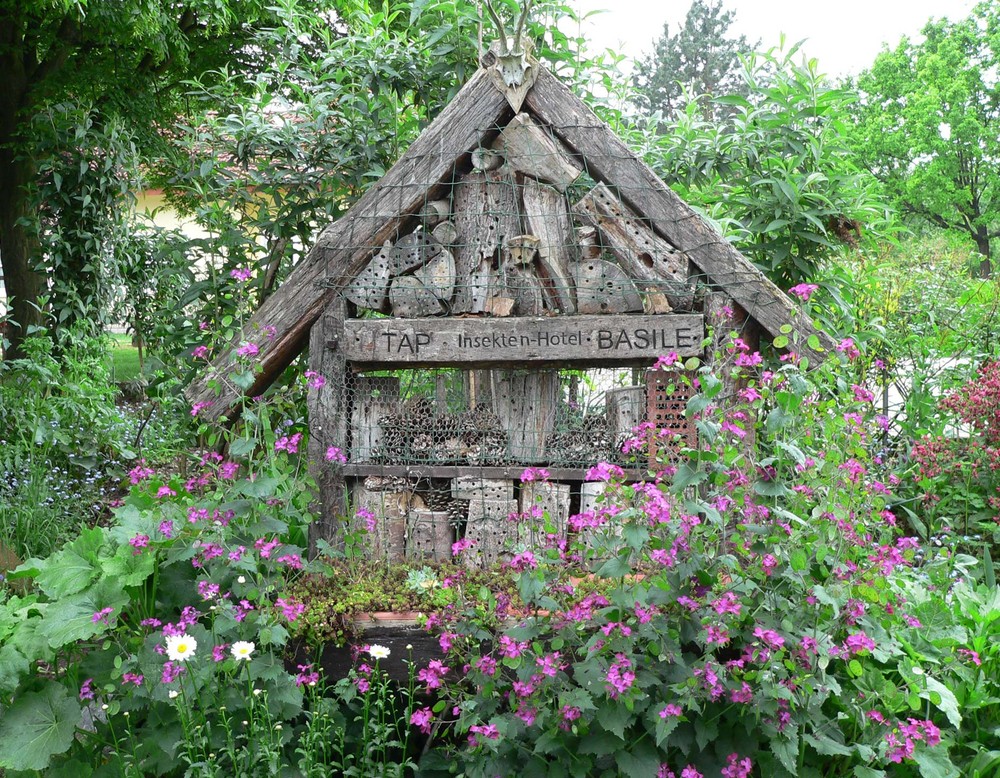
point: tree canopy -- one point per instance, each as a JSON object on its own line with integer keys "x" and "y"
{"x": 700, "y": 58}
{"x": 928, "y": 125}
{"x": 111, "y": 60}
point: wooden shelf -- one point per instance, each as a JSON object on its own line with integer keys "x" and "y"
{"x": 511, "y": 472}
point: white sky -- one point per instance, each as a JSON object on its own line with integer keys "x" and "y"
{"x": 843, "y": 35}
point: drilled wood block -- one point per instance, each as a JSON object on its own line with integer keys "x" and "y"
{"x": 491, "y": 530}
{"x": 546, "y": 500}
{"x": 474, "y": 487}
{"x": 429, "y": 536}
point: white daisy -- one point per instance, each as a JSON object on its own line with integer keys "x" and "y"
{"x": 378, "y": 652}
{"x": 180, "y": 648}
{"x": 242, "y": 650}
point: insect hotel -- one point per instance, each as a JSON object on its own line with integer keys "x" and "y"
{"x": 496, "y": 302}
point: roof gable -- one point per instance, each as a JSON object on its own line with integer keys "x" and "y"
{"x": 280, "y": 327}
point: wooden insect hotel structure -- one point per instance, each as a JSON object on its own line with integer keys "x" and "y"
{"x": 494, "y": 302}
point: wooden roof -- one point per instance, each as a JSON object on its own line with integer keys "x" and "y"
{"x": 280, "y": 328}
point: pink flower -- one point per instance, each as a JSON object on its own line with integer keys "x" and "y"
{"x": 199, "y": 407}
{"x": 102, "y": 616}
{"x": 421, "y": 719}
{"x": 334, "y": 454}
{"x": 667, "y": 360}
{"x": 306, "y": 676}
{"x": 727, "y": 603}
{"x": 433, "y": 674}
{"x": 219, "y": 652}
{"x": 737, "y": 768}
{"x": 604, "y": 472}
{"x": 488, "y": 731}
{"x": 748, "y": 360}
{"x": 534, "y": 474}
{"x": 241, "y": 274}
{"x": 138, "y": 542}
{"x": 769, "y": 638}
{"x": 620, "y": 676}
{"x": 290, "y": 609}
{"x": 86, "y": 690}
{"x": 861, "y": 394}
{"x": 315, "y": 380}
{"x": 671, "y": 709}
{"x": 248, "y": 350}
{"x": 289, "y": 443}
{"x": 846, "y": 346}
{"x": 691, "y": 772}
{"x": 803, "y": 291}
{"x": 200, "y": 352}
{"x": 462, "y": 545}
{"x": 133, "y": 678}
{"x": 972, "y": 656}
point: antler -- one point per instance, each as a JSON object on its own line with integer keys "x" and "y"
{"x": 502, "y": 28}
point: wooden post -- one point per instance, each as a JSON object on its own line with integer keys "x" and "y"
{"x": 529, "y": 150}
{"x": 723, "y": 315}
{"x": 327, "y": 408}
{"x": 390, "y": 510}
{"x": 626, "y": 409}
{"x": 368, "y": 411}
{"x": 486, "y": 215}
{"x": 526, "y": 404}
{"x": 547, "y": 215}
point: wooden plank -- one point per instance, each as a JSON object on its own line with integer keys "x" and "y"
{"x": 640, "y": 252}
{"x": 526, "y": 403}
{"x": 438, "y": 276}
{"x": 598, "y": 339}
{"x": 347, "y": 245}
{"x": 611, "y": 161}
{"x": 529, "y": 150}
{"x": 626, "y": 409}
{"x": 539, "y": 498}
{"x": 327, "y": 407}
{"x": 429, "y": 536}
{"x": 490, "y": 530}
{"x": 547, "y": 216}
{"x": 487, "y": 214}
{"x": 387, "y": 542}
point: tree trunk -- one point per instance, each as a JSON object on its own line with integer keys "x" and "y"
{"x": 985, "y": 269}
{"x": 18, "y": 251}
{"x": 18, "y": 246}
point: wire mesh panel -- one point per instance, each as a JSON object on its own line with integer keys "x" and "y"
{"x": 492, "y": 418}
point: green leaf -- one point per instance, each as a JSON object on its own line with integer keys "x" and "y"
{"x": 71, "y": 619}
{"x": 944, "y": 699}
{"x": 867, "y": 772}
{"x": 129, "y": 568}
{"x": 68, "y": 574}
{"x": 614, "y": 717}
{"x": 13, "y": 665}
{"x": 36, "y": 727}
{"x": 799, "y": 560}
{"x": 642, "y": 759}
{"x": 855, "y": 668}
{"x": 934, "y": 763}
{"x": 781, "y": 341}
{"x": 787, "y": 751}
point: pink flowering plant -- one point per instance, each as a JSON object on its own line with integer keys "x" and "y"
{"x": 755, "y": 607}
{"x": 157, "y": 645}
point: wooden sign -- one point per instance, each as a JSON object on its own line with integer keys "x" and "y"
{"x": 512, "y": 341}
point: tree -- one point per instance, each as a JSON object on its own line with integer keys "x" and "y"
{"x": 699, "y": 59}
{"x": 777, "y": 174}
{"x": 111, "y": 58}
{"x": 928, "y": 126}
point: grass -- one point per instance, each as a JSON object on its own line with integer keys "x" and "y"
{"x": 124, "y": 359}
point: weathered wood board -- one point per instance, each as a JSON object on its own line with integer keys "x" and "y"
{"x": 526, "y": 403}
{"x": 528, "y": 149}
{"x": 558, "y": 339}
{"x": 367, "y": 412}
{"x": 547, "y": 215}
{"x": 486, "y": 216}
{"x": 539, "y": 498}
{"x": 387, "y": 542}
{"x": 642, "y": 254}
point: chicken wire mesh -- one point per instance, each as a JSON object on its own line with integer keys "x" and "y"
{"x": 497, "y": 418}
